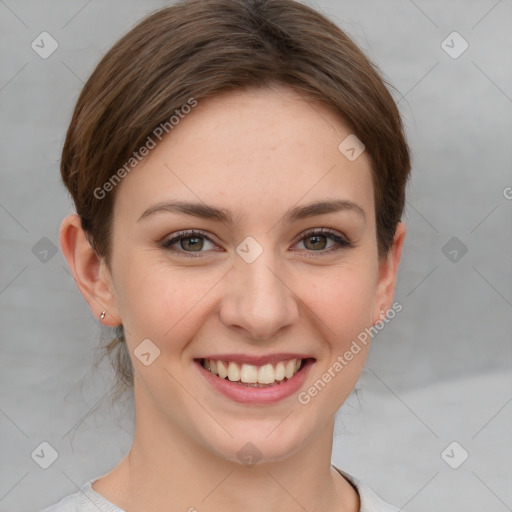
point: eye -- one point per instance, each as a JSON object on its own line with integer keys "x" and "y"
{"x": 316, "y": 241}
{"x": 191, "y": 243}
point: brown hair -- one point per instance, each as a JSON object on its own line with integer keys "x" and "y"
{"x": 196, "y": 49}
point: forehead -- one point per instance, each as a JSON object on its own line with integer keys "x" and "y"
{"x": 254, "y": 151}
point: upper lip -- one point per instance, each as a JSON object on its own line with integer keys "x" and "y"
{"x": 257, "y": 360}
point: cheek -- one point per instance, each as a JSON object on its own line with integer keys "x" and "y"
{"x": 341, "y": 298}
{"x": 161, "y": 303}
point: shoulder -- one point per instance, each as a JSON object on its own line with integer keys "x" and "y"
{"x": 370, "y": 501}
{"x": 71, "y": 503}
{"x": 85, "y": 500}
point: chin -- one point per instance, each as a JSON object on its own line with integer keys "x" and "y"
{"x": 261, "y": 442}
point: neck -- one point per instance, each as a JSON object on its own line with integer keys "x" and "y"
{"x": 166, "y": 466}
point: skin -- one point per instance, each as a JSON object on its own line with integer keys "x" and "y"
{"x": 256, "y": 153}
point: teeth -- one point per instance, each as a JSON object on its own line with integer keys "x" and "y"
{"x": 290, "y": 369}
{"x": 250, "y": 374}
{"x": 280, "y": 372}
{"x": 221, "y": 369}
{"x": 266, "y": 374}
{"x": 233, "y": 372}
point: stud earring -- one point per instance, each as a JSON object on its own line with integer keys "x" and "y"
{"x": 103, "y": 313}
{"x": 382, "y": 315}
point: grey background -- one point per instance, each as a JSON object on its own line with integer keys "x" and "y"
{"x": 438, "y": 373}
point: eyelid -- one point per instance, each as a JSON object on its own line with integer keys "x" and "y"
{"x": 323, "y": 231}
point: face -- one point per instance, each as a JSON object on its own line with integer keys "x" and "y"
{"x": 261, "y": 279}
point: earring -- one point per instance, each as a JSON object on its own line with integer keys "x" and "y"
{"x": 382, "y": 315}
{"x": 103, "y": 313}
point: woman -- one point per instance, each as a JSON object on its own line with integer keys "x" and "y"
{"x": 238, "y": 171}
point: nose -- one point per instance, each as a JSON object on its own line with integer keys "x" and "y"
{"x": 258, "y": 298}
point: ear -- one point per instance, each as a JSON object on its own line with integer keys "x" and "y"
{"x": 89, "y": 271}
{"x": 388, "y": 271}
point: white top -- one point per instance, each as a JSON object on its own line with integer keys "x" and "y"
{"x": 88, "y": 500}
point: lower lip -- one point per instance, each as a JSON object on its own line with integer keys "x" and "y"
{"x": 257, "y": 396}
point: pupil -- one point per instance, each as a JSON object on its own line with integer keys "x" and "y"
{"x": 316, "y": 238}
{"x": 193, "y": 244}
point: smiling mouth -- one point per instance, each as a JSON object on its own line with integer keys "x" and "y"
{"x": 253, "y": 376}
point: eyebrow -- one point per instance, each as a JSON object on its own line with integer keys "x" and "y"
{"x": 205, "y": 211}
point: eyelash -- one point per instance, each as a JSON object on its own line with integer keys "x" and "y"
{"x": 341, "y": 242}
